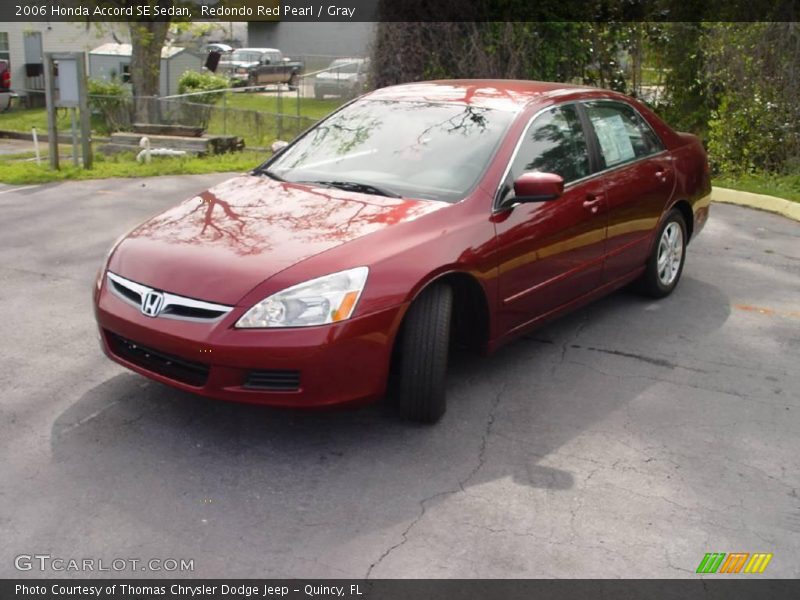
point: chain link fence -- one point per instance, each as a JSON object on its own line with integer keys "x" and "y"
{"x": 258, "y": 115}
{"x": 228, "y": 116}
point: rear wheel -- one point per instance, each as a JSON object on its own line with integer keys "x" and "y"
{"x": 665, "y": 265}
{"x": 294, "y": 81}
{"x": 424, "y": 344}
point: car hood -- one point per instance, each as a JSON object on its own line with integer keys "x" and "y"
{"x": 223, "y": 242}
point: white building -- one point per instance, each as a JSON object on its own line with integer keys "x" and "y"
{"x": 111, "y": 62}
{"x": 24, "y": 45}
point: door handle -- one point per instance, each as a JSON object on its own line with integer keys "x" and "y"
{"x": 662, "y": 172}
{"x": 592, "y": 202}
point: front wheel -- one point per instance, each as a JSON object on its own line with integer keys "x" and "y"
{"x": 665, "y": 264}
{"x": 424, "y": 345}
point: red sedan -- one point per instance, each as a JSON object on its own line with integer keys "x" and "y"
{"x": 416, "y": 217}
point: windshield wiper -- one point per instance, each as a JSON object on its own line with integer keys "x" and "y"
{"x": 355, "y": 186}
{"x": 268, "y": 173}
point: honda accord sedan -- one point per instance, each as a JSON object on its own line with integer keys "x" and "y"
{"x": 412, "y": 220}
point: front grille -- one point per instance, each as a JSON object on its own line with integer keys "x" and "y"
{"x": 191, "y": 312}
{"x": 179, "y": 369}
{"x": 128, "y": 293}
{"x": 273, "y": 380}
{"x": 173, "y": 307}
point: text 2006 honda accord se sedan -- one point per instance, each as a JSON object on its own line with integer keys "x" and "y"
{"x": 414, "y": 218}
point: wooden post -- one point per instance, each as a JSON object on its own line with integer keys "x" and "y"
{"x": 85, "y": 121}
{"x": 50, "y": 102}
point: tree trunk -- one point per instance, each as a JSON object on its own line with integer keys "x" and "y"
{"x": 147, "y": 40}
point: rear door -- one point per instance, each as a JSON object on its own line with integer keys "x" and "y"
{"x": 639, "y": 182}
{"x": 550, "y": 253}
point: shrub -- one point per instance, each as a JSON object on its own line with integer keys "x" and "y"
{"x": 112, "y": 101}
{"x": 194, "y": 81}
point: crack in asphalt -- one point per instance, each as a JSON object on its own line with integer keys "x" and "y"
{"x": 660, "y": 362}
{"x": 461, "y": 483}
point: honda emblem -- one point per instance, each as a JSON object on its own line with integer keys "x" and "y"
{"x": 152, "y": 303}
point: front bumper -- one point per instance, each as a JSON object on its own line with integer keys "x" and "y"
{"x": 331, "y": 364}
{"x": 333, "y": 88}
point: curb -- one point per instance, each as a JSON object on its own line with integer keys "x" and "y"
{"x": 785, "y": 208}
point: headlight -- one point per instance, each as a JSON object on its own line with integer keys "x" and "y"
{"x": 327, "y": 299}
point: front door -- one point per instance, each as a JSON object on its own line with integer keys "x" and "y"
{"x": 550, "y": 253}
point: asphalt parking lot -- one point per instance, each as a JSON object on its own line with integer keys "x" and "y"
{"x": 626, "y": 440}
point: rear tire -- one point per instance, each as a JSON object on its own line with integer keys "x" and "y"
{"x": 294, "y": 81}
{"x": 423, "y": 356}
{"x": 665, "y": 264}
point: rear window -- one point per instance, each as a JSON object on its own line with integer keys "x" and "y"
{"x": 622, "y": 133}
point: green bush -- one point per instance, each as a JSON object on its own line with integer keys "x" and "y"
{"x": 749, "y": 135}
{"x": 193, "y": 81}
{"x": 756, "y": 125}
{"x": 112, "y": 102}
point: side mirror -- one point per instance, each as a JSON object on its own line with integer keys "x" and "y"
{"x": 266, "y": 61}
{"x": 537, "y": 187}
{"x": 278, "y": 146}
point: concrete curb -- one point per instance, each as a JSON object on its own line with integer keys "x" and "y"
{"x": 785, "y": 208}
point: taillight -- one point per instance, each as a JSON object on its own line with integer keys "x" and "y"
{"x": 5, "y": 79}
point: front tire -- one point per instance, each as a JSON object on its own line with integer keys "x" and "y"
{"x": 665, "y": 264}
{"x": 423, "y": 355}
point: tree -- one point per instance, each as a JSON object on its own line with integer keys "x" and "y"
{"x": 147, "y": 35}
{"x": 147, "y": 41}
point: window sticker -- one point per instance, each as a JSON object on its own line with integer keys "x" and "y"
{"x": 614, "y": 140}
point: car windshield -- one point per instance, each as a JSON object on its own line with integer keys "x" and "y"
{"x": 344, "y": 66}
{"x": 416, "y": 149}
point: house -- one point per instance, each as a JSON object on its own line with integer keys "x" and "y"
{"x": 111, "y": 62}
{"x": 23, "y": 45}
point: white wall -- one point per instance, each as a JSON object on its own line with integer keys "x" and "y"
{"x": 103, "y": 66}
{"x": 56, "y": 37}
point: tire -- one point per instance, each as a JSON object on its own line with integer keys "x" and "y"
{"x": 665, "y": 264}
{"x": 425, "y": 342}
{"x": 294, "y": 80}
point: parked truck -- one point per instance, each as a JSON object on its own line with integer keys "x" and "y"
{"x": 260, "y": 66}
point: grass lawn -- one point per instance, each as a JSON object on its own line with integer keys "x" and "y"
{"x": 309, "y": 107}
{"x": 782, "y": 186}
{"x": 125, "y": 165}
{"x": 23, "y": 119}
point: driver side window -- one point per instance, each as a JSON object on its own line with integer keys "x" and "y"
{"x": 554, "y": 143}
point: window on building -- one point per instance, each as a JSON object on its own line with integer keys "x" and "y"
{"x": 4, "y": 52}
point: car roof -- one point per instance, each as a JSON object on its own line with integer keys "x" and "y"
{"x": 501, "y": 94}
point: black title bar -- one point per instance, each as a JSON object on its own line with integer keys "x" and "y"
{"x": 398, "y": 10}
{"x": 709, "y": 588}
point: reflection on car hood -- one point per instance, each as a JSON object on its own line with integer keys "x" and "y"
{"x": 220, "y": 244}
